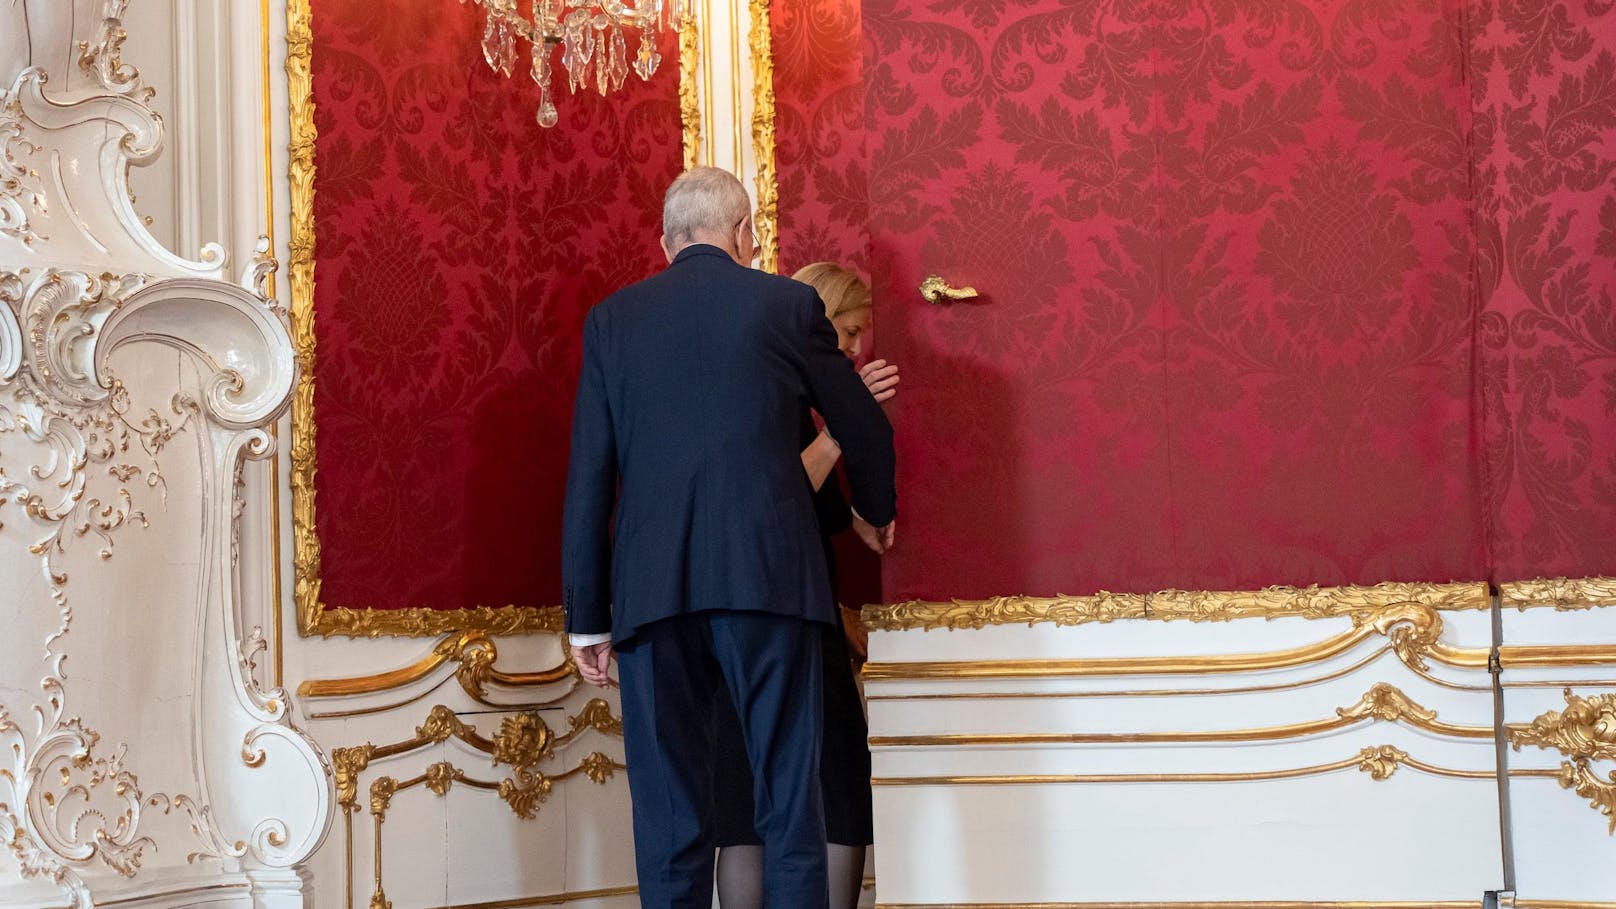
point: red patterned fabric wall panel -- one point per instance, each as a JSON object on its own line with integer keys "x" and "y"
{"x": 1314, "y": 253}
{"x": 820, "y": 155}
{"x": 1545, "y": 144}
{"x": 1226, "y": 333}
{"x": 822, "y": 167}
{"x": 1032, "y": 457}
{"x": 458, "y": 247}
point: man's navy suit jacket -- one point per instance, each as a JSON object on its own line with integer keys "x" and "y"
{"x": 691, "y": 401}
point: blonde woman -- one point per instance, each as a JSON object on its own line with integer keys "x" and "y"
{"x": 845, "y": 755}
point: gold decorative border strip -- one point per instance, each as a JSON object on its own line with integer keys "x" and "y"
{"x": 690, "y": 88}
{"x": 1414, "y": 630}
{"x": 1379, "y": 761}
{"x": 315, "y": 617}
{"x": 1555, "y": 656}
{"x": 1383, "y": 702}
{"x": 1132, "y": 693}
{"x": 1173, "y": 605}
{"x": 476, "y": 653}
{"x": 761, "y": 43}
{"x": 1564, "y": 594}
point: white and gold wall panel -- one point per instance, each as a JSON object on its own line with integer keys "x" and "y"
{"x": 1107, "y": 753}
{"x": 144, "y": 758}
{"x": 1562, "y": 732}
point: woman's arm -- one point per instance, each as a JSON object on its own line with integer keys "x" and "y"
{"x": 821, "y": 455}
{"x": 820, "y": 458}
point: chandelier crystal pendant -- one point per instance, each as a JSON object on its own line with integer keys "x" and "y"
{"x": 588, "y": 34}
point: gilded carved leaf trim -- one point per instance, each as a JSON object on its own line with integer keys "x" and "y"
{"x": 1381, "y": 761}
{"x": 1386, "y": 702}
{"x": 1585, "y": 730}
{"x": 1599, "y": 791}
{"x": 524, "y": 740}
{"x": 1180, "y": 605}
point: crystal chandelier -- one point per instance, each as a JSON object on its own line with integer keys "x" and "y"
{"x": 589, "y": 34}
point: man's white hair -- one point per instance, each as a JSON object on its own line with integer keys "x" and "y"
{"x": 703, "y": 202}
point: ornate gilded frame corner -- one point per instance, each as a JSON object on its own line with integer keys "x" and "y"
{"x": 315, "y": 617}
{"x": 761, "y": 43}
{"x": 690, "y": 88}
{"x": 1173, "y": 605}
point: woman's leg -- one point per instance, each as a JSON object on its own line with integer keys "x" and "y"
{"x": 846, "y": 875}
{"x": 740, "y": 877}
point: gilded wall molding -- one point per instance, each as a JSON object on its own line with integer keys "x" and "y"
{"x": 87, "y": 285}
{"x": 1585, "y": 732}
{"x": 761, "y": 43}
{"x": 523, "y": 743}
{"x": 1172, "y": 605}
{"x": 958, "y": 615}
{"x": 1413, "y": 631}
{"x": 1381, "y": 762}
{"x": 1563, "y": 594}
{"x": 476, "y": 655}
{"x": 314, "y": 616}
{"x": 690, "y": 88}
{"x": 1383, "y": 702}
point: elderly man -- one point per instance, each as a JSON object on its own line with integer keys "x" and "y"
{"x": 713, "y": 582}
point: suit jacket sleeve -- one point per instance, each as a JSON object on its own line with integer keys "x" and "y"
{"x": 851, "y": 413}
{"x": 586, "y": 546}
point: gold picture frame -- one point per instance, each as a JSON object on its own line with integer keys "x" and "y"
{"x": 314, "y": 616}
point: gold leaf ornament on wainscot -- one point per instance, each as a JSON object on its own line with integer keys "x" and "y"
{"x": 1585, "y": 732}
{"x": 1585, "y": 729}
{"x": 1381, "y": 761}
{"x": 1563, "y": 594}
{"x": 1173, "y": 605}
{"x": 524, "y": 740}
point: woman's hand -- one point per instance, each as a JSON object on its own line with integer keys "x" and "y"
{"x": 858, "y": 637}
{"x": 881, "y": 378}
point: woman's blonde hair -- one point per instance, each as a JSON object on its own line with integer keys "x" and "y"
{"x": 840, "y": 289}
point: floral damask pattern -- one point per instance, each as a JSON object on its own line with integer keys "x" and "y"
{"x": 1544, "y": 95}
{"x": 459, "y": 246}
{"x": 1306, "y": 292}
{"x": 819, "y": 148}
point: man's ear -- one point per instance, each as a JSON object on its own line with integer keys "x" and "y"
{"x": 666, "y": 249}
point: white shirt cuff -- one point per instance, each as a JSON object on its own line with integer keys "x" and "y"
{"x": 589, "y": 640}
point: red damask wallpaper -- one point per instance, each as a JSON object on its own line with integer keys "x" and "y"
{"x": 823, "y": 168}
{"x": 820, "y": 152}
{"x": 1544, "y": 150}
{"x": 459, "y": 246}
{"x": 1272, "y": 293}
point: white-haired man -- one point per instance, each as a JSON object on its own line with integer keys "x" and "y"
{"x": 712, "y": 581}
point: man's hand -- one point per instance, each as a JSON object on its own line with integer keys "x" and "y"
{"x": 881, "y": 378}
{"x": 593, "y": 662}
{"x": 879, "y": 539}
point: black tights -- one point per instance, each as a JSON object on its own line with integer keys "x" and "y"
{"x": 740, "y": 876}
